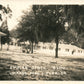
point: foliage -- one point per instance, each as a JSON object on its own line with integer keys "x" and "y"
{"x": 25, "y": 28}
{"x": 5, "y": 13}
{"x": 75, "y": 17}
{"x": 50, "y": 22}
{"x": 47, "y": 22}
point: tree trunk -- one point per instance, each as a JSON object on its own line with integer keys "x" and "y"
{"x": 1, "y": 46}
{"x": 56, "y": 51}
{"x": 8, "y": 47}
{"x": 31, "y": 47}
{"x": 0, "y": 42}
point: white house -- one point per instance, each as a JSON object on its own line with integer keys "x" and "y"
{"x": 63, "y": 50}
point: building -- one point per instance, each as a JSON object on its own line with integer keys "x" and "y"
{"x": 63, "y": 50}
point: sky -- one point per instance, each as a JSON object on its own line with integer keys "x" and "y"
{"x": 18, "y": 6}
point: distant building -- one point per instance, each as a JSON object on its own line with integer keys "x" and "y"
{"x": 63, "y": 50}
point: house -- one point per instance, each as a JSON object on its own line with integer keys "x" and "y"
{"x": 63, "y": 50}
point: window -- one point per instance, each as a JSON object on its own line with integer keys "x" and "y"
{"x": 51, "y": 48}
{"x": 67, "y": 50}
{"x": 59, "y": 49}
{"x": 44, "y": 47}
{"x": 38, "y": 46}
{"x": 79, "y": 51}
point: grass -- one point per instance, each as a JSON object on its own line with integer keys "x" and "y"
{"x": 15, "y": 65}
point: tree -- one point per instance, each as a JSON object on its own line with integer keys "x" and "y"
{"x": 5, "y": 13}
{"x": 75, "y": 17}
{"x": 26, "y": 28}
{"x": 50, "y": 23}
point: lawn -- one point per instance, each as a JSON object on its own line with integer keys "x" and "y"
{"x": 15, "y": 65}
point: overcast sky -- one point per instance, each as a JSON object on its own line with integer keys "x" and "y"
{"x": 18, "y": 5}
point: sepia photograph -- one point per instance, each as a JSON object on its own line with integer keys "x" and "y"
{"x": 41, "y": 41}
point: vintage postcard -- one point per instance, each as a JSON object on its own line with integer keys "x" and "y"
{"x": 41, "y": 40}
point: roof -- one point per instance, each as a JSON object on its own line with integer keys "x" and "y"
{"x": 69, "y": 46}
{"x": 2, "y": 34}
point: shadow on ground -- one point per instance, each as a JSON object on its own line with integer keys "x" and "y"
{"x": 72, "y": 59}
{"x": 74, "y": 71}
{"x": 76, "y": 59}
{"x": 5, "y": 70}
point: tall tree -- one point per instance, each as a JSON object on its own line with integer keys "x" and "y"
{"x": 74, "y": 17}
{"x": 50, "y": 22}
{"x": 26, "y": 28}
